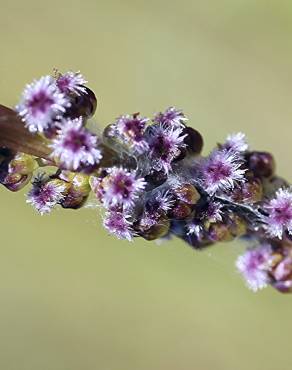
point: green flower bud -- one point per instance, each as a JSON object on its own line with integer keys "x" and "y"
{"x": 160, "y": 229}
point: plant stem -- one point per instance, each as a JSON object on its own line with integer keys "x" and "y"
{"x": 15, "y": 136}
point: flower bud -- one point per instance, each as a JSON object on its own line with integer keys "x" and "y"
{"x": 194, "y": 140}
{"x": 196, "y": 243}
{"x": 261, "y": 163}
{"x": 250, "y": 191}
{"x": 80, "y": 184}
{"x": 16, "y": 169}
{"x": 154, "y": 179}
{"x": 283, "y": 271}
{"x": 181, "y": 211}
{"x": 16, "y": 181}
{"x": 78, "y": 192}
{"x": 83, "y": 105}
{"x": 283, "y": 286}
{"x": 188, "y": 194}
{"x": 220, "y": 232}
{"x": 158, "y": 230}
{"x": 23, "y": 164}
{"x": 237, "y": 226}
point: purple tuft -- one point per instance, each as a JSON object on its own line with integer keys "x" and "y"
{"x": 41, "y": 103}
{"x": 279, "y": 210}
{"x": 254, "y": 265}
{"x": 121, "y": 187}
{"x": 75, "y": 145}
{"x": 221, "y": 171}
{"x": 71, "y": 82}
{"x": 131, "y": 130}
{"x": 45, "y": 194}
{"x": 165, "y": 145}
{"x": 117, "y": 224}
{"x": 171, "y": 117}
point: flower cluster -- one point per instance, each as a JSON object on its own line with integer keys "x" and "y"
{"x": 58, "y": 109}
{"x": 151, "y": 179}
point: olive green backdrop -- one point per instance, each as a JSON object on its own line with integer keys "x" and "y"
{"x": 74, "y": 298}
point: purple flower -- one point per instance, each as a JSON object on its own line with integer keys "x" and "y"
{"x": 213, "y": 212}
{"x": 118, "y": 224}
{"x": 121, "y": 187}
{"x": 46, "y": 194}
{"x": 75, "y": 145}
{"x": 157, "y": 205}
{"x": 221, "y": 171}
{"x": 41, "y": 103}
{"x": 71, "y": 82}
{"x": 236, "y": 142}
{"x": 280, "y": 213}
{"x": 148, "y": 220}
{"x": 254, "y": 265}
{"x": 171, "y": 117}
{"x": 160, "y": 202}
{"x": 194, "y": 228}
{"x": 131, "y": 130}
{"x": 165, "y": 145}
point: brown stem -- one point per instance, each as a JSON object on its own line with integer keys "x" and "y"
{"x": 15, "y": 136}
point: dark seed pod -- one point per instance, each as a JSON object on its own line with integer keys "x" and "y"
{"x": 160, "y": 229}
{"x": 181, "y": 156}
{"x": 238, "y": 226}
{"x": 283, "y": 286}
{"x": 262, "y": 164}
{"x": 196, "y": 243}
{"x": 82, "y": 105}
{"x": 194, "y": 140}
{"x": 181, "y": 211}
{"x": 220, "y": 232}
{"x": 188, "y": 194}
{"x": 155, "y": 178}
{"x": 73, "y": 200}
{"x": 250, "y": 192}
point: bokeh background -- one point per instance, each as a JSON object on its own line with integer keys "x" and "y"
{"x": 73, "y": 297}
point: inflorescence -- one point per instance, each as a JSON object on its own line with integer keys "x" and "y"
{"x": 149, "y": 176}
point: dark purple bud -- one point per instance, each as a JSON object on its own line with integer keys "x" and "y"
{"x": 155, "y": 178}
{"x": 83, "y": 105}
{"x": 220, "y": 232}
{"x": 188, "y": 194}
{"x": 237, "y": 226}
{"x": 181, "y": 156}
{"x": 73, "y": 200}
{"x": 261, "y": 163}
{"x": 283, "y": 286}
{"x": 16, "y": 181}
{"x": 181, "y": 211}
{"x": 194, "y": 140}
{"x": 158, "y": 230}
{"x": 250, "y": 191}
{"x": 196, "y": 243}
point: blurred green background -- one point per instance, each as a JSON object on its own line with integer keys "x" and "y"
{"x": 74, "y": 298}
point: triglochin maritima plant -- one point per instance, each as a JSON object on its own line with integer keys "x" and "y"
{"x": 149, "y": 176}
